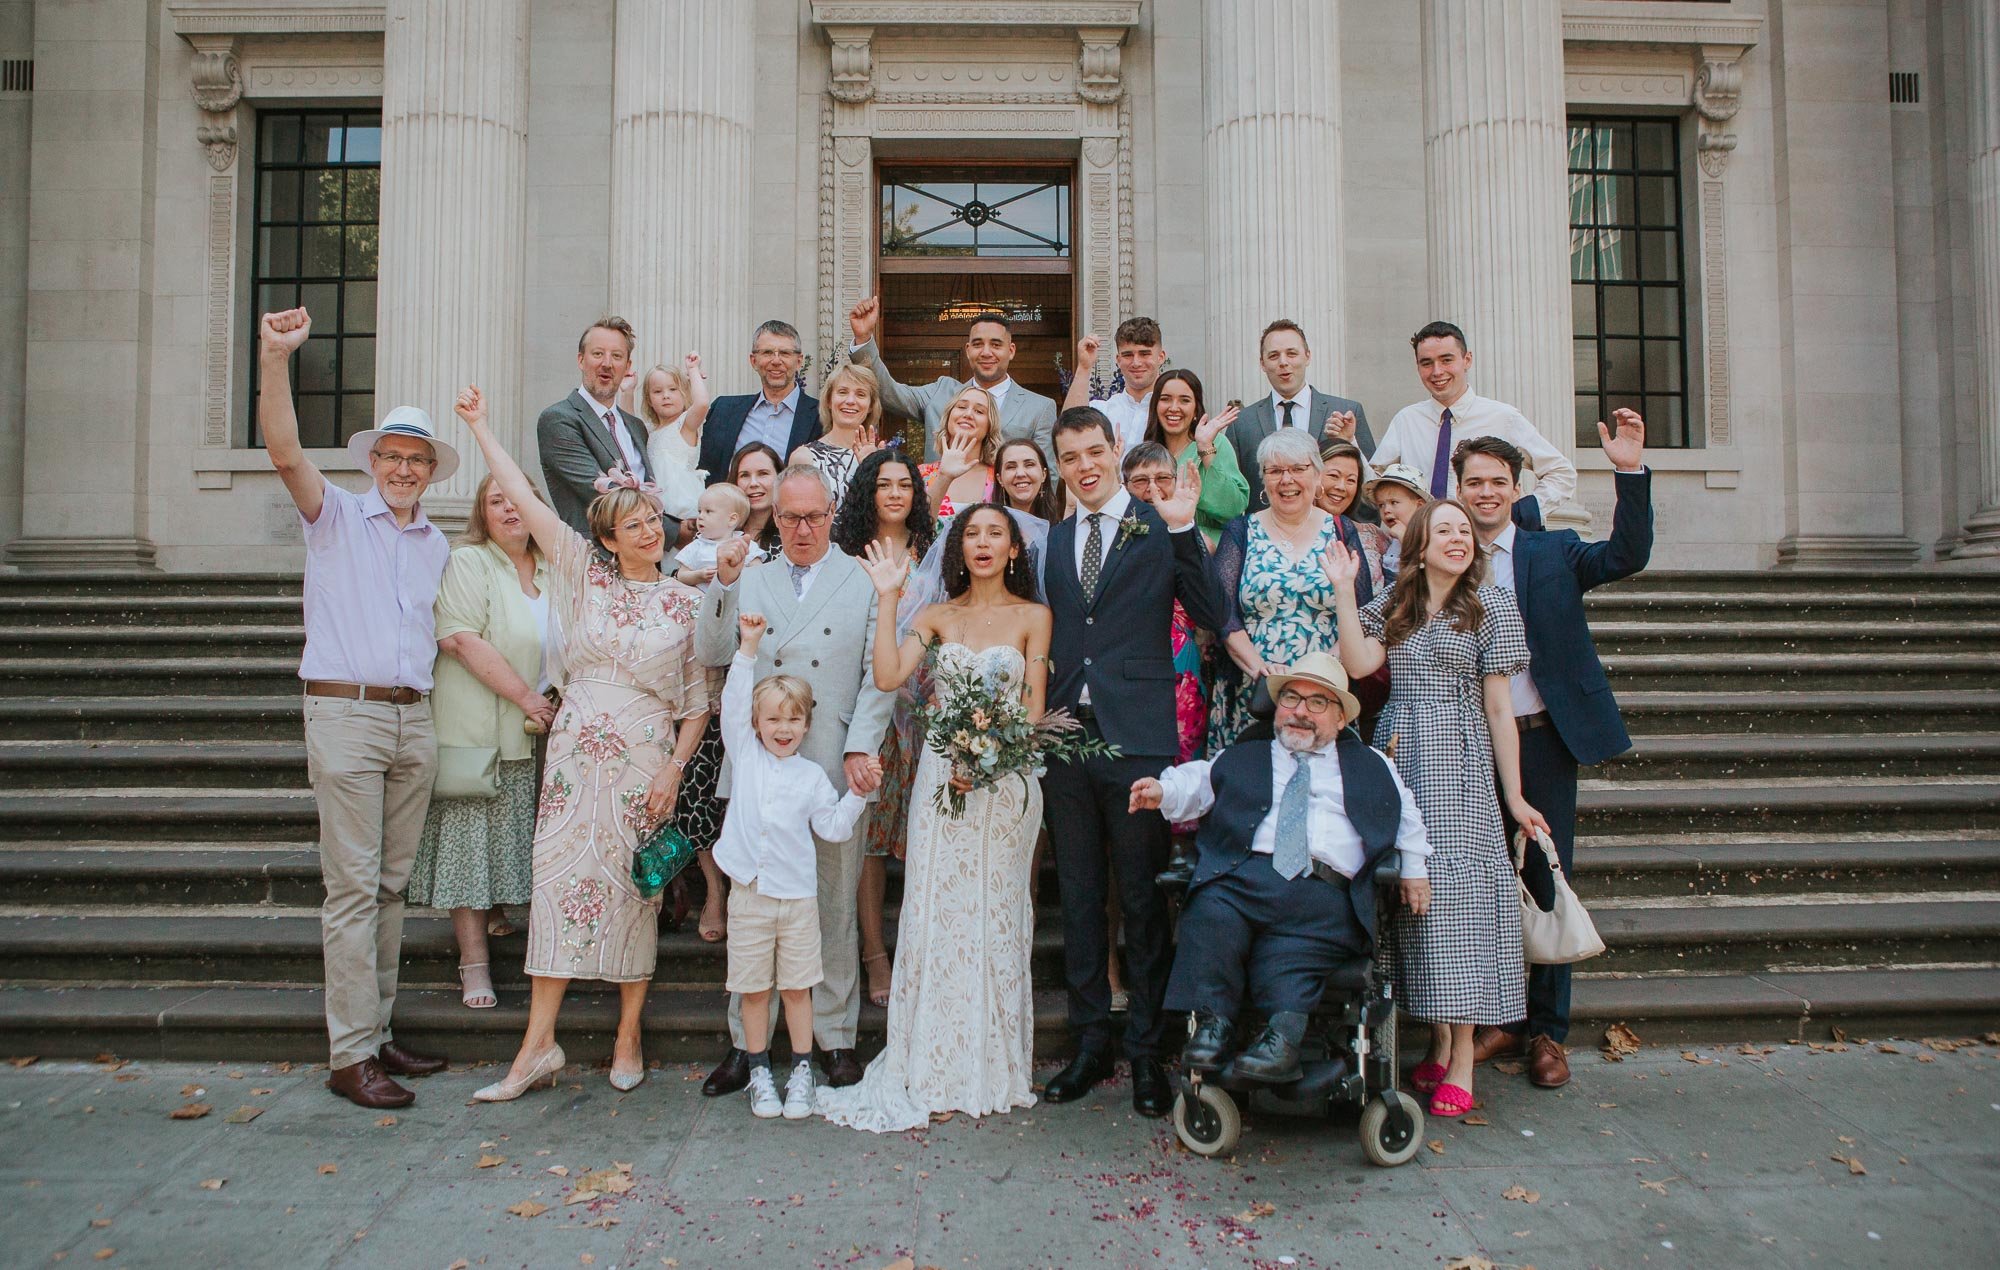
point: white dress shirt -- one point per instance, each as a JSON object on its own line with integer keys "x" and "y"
{"x": 1500, "y": 555}
{"x": 621, "y": 436}
{"x": 1330, "y": 835}
{"x": 1302, "y": 408}
{"x": 1128, "y": 415}
{"x": 771, "y": 423}
{"x": 1412, "y": 438}
{"x": 776, "y": 805}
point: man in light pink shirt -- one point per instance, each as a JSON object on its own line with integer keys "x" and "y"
{"x": 373, "y": 562}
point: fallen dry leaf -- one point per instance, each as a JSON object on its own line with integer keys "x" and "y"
{"x": 901, "y": 1263}
{"x": 1510, "y": 1067}
{"x": 193, "y": 1111}
{"x": 1470, "y": 1263}
{"x": 213, "y": 1183}
{"x": 1886, "y": 1048}
{"x": 100, "y": 1222}
{"x": 1853, "y": 1163}
{"x": 1927, "y": 1058}
{"x": 1689, "y": 1056}
{"x": 1606, "y": 1106}
{"x": 527, "y": 1208}
{"x": 262, "y": 1093}
{"x": 1620, "y": 1043}
{"x": 1839, "y": 1033}
{"x": 1436, "y": 1146}
{"x": 1658, "y": 1188}
{"x": 243, "y": 1115}
{"x": 489, "y": 1161}
{"x": 1258, "y": 1208}
{"x": 192, "y": 1091}
{"x": 460, "y": 1264}
{"x": 1522, "y": 1193}
{"x": 325, "y": 1169}
{"x": 26, "y": 1060}
{"x": 1476, "y": 1120}
{"x": 560, "y": 1170}
{"x": 104, "y": 1254}
{"x": 586, "y": 1258}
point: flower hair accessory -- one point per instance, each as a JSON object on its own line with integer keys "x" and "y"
{"x": 619, "y": 478}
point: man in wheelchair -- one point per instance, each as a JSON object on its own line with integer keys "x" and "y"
{"x": 1292, "y": 830}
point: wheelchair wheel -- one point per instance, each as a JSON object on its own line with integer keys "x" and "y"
{"x": 1212, "y": 1125}
{"x": 1383, "y": 1141}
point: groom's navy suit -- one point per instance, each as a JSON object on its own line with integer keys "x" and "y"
{"x": 1117, "y": 647}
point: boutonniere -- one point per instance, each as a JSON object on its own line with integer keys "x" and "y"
{"x": 1131, "y": 527}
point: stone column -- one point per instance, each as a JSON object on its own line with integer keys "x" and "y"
{"x": 454, "y": 216}
{"x": 89, "y": 164}
{"x": 1271, "y": 125}
{"x": 682, "y": 92}
{"x": 1982, "y": 188}
{"x": 1496, "y": 134}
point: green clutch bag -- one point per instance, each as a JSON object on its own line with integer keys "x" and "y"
{"x": 661, "y": 856}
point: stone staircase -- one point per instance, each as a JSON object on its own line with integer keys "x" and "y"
{"x": 1807, "y": 833}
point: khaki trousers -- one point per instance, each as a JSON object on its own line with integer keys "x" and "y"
{"x": 371, "y": 765}
{"x": 837, "y": 997}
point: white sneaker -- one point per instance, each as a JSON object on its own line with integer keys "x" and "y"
{"x": 799, "y": 1092}
{"x": 763, "y": 1094}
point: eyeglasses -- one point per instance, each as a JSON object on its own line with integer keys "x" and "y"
{"x": 634, "y": 526}
{"x": 1161, "y": 480}
{"x": 415, "y": 462}
{"x": 792, "y": 520}
{"x": 774, "y": 352}
{"x": 1314, "y": 704}
{"x": 1299, "y": 471}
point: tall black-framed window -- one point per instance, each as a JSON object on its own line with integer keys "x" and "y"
{"x": 317, "y": 206}
{"x": 1628, "y": 295}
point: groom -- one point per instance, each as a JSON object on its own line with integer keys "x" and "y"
{"x": 1112, "y": 572}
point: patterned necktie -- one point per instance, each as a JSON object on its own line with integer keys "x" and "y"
{"x": 799, "y": 572}
{"x": 1441, "y": 461}
{"x": 1290, "y": 853}
{"x": 1093, "y": 557}
{"x": 1288, "y": 407}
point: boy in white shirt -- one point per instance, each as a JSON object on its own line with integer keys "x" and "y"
{"x": 718, "y": 518}
{"x": 777, "y": 801}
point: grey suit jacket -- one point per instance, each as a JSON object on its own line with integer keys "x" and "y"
{"x": 1023, "y": 412}
{"x": 1259, "y": 420}
{"x": 827, "y": 640}
{"x": 576, "y": 451}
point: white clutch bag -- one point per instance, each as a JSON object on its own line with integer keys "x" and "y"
{"x": 1564, "y": 935}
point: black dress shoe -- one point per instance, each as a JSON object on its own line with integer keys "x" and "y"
{"x": 398, "y": 1061}
{"x": 730, "y": 1075}
{"x": 1152, "y": 1095}
{"x": 1273, "y": 1057}
{"x": 1210, "y": 1044}
{"x": 842, "y": 1068}
{"x": 1076, "y": 1080}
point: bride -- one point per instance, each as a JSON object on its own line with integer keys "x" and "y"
{"x": 961, "y": 1010}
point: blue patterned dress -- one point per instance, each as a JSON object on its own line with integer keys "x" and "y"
{"x": 1284, "y": 605}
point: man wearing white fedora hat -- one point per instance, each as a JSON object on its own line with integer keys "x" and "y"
{"x": 373, "y": 561}
{"x": 1292, "y": 830}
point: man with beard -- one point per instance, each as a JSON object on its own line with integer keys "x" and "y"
{"x": 1292, "y": 830}
{"x": 373, "y": 563}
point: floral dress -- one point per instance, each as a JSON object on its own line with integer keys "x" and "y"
{"x": 945, "y": 510}
{"x": 1190, "y": 702}
{"x": 628, "y": 650}
{"x": 1284, "y": 604}
{"x": 1461, "y": 961}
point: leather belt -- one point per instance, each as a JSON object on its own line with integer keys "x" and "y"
{"x": 398, "y": 696}
{"x": 1529, "y": 722}
{"x": 1327, "y": 873}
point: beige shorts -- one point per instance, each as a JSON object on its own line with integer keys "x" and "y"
{"x": 772, "y": 942}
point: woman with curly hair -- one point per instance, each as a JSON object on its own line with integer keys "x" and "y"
{"x": 885, "y": 505}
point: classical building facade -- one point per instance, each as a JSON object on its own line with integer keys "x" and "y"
{"x": 1773, "y": 225}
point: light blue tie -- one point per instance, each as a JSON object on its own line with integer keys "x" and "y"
{"x": 799, "y": 572}
{"x": 1290, "y": 853}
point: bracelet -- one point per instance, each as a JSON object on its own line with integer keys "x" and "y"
{"x": 680, "y": 764}
{"x": 1205, "y": 455}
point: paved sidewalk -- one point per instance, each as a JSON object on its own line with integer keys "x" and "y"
{"x": 1709, "y": 1158}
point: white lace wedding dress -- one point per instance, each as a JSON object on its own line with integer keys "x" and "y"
{"x": 961, "y": 1009}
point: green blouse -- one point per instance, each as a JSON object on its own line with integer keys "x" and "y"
{"x": 480, "y": 594}
{"x": 1225, "y": 495}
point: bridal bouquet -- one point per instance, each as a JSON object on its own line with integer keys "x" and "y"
{"x": 975, "y": 720}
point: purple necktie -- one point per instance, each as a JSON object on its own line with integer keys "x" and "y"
{"x": 1441, "y": 461}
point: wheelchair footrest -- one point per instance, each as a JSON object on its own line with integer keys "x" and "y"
{"x": 1321, "y": 1078}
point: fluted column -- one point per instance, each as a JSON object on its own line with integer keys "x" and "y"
{"x": 1495, "y": 154}
{"x": 681, "y": 199}
{"x": 454, "y": 214}
{"x": 1982, "y": 188}
{"x": 1271, "y": 105}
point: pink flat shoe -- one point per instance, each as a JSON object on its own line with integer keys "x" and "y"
{"x": 1427, "y": 1077}
{"x": 1450, "y": 1102}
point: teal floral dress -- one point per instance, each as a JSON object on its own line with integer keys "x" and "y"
{"x": 631, "y": 677}
{"x": 1284, "y": 605}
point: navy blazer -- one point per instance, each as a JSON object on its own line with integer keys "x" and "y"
{"x": 1552, "y": 570}
{"x": 724, "y": 426}
{"x": 1121, "y": 644}
{"x": 1241, "y": 779}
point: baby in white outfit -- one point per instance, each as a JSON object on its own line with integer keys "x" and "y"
{"x": 718, "y": 519}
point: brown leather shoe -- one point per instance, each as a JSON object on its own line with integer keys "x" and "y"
{"x": 842, "y": 1067}
{"x": 365, "y": 1084}
{"x": 398, "y": 1061}
{"x": 1494, "y": 1042}
{"x": 1548, "y": 1064}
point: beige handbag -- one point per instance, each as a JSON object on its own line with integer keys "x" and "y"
{"x": 1564, "y": 935}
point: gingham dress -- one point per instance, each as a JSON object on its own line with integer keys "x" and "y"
{"x": 1461, "y": 962}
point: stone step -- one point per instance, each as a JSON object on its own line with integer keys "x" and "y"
{"x": 278, "y": 874}
{"x": 1774, "y": 806}
{"x": 1768, "y": 671}
{"x": 101, "y": 765}
{"x": 1791, "y": 932}
{"x": 148, "y": 585}
{"x": 1617, "y": 604}
{"x": 1809, "y": 583}
{"x": 152, "y": 641}
{"x": 1610, "y": 869}
{"x": 275, "y": 717}
{"x": 688, "y": 1024}
{"x": 277, "y": 609}
{"x": 1722, "y": 635}
{"x": 1806, "y": 711}
{"x": 213, "y": 675}
{"x": 1826, "y": 757}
